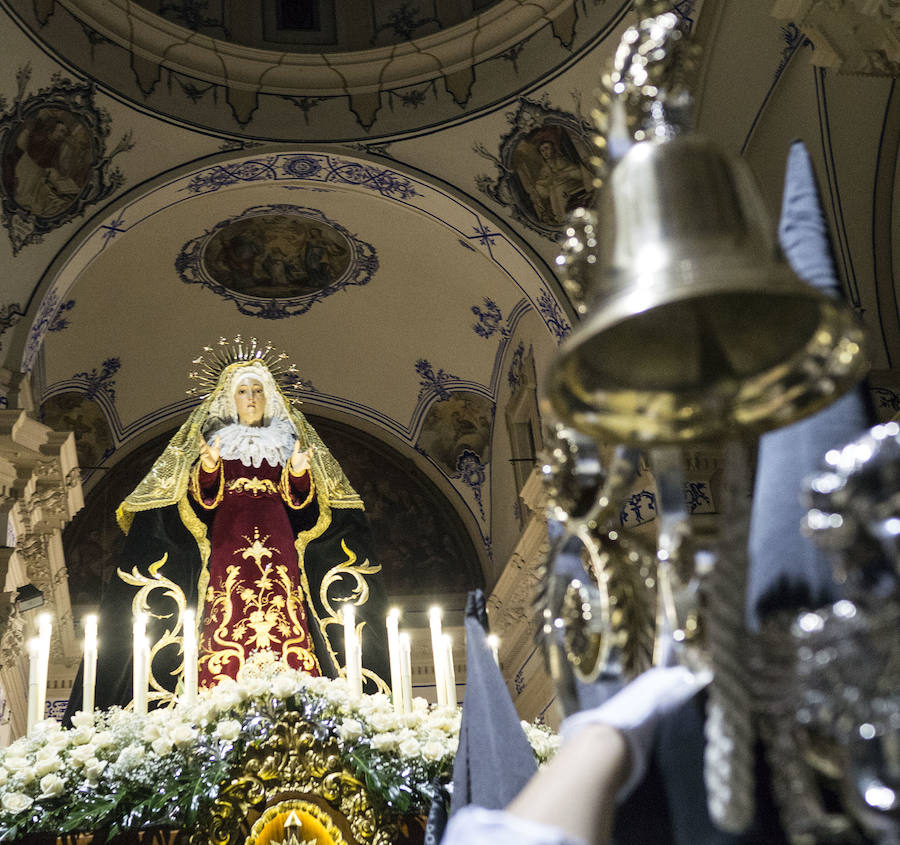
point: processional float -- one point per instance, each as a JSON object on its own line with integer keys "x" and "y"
{"x": 695, "y": 330}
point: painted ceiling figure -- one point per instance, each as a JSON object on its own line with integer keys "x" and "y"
{"x": 247, "y": 517}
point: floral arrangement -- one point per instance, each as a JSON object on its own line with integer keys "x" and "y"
{"x": 115, "y": 770}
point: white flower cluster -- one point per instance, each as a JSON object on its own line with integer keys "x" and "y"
{"x": 112, "y": 752}
{"x": 543, "y": 741}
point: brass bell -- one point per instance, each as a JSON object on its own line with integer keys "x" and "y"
{"x": 696, "y": 325}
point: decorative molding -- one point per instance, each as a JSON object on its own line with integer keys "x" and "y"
{"x": 848, "y": 36}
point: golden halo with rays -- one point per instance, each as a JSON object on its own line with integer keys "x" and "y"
{"x": 210, "y": 363}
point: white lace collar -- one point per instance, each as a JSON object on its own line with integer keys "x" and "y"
{"x": 251, "y": 444}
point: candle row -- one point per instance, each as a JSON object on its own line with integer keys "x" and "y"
{"x": 399, "y": 651}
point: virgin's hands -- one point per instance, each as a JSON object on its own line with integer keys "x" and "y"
{"x": 300, "y": 459}
{"x": 209, "y": 454}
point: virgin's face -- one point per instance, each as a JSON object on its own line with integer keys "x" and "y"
{"x": 250, "y": 399}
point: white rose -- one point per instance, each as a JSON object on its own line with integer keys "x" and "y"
{"x": 46, "y": 763}
{"x": 4, "y": 776}
{"x": 433, "y": 750}
{"x": 83, "y": 720}
{"x": 80, "y": 753}
{"x": 183, "y": 735}
{"x": 47, "y": 726}
{"x": 283, "y": 686}
{"x": 79, "y": 736}
{"x": 16, "y": 764}
{"x": 350, "y": 729}
{"x": 19, "y": 748}
{"x": 257, "y": 687}
{"x": 410, "y": 747}
{"x": 227, "y": 700}
{"x": 152, "y": 732}
{"x": 383, "y": 722}
{"x": 93, "y": 768}
{"x": 162, "y": 745}
{"x": 15, "y": 802}
{"x": 384, "y": 742}
{"x": 318, "y": 684}
{"x": 419, "y": 705}
{"x": 104, "y": 739}
{"x": 228, "y": 729}
{"x": 58, "y": 741}
{"x": 51, "y": 786}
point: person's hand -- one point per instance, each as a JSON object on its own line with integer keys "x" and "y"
{"x": 300, "y": 459}
{"x": 636, "y": 711}
{"x": 209, "y": 454}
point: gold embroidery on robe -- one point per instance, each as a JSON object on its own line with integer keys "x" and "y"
{"x": 273, "y": 608}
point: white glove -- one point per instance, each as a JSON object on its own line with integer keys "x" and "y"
{"x": 636, "y": 711}
{"x": 474, "y": 825}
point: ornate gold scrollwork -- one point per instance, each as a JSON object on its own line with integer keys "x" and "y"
{"x": 358, "y": 595}
{"x": 293, "y": 763}
{"x": 171, "y": 636}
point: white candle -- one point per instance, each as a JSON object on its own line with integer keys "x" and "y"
{"x": 190, "y": 657}
{"x": 405, "y": 672}
{"x": 89, "y": 675}
{"x": 493, "y": 642}
{"x": 140, "y": 664}
{"x": 352, "y": 653}
{"x": 438, "y": 653}
{"x": 393, "y": 632}
{"x": 34, "y": 672}
{"x": 450, "y": 672}
{"x": 44, "y": 631}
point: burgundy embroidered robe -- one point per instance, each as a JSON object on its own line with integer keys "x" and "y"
{"x": 254, "y": 600}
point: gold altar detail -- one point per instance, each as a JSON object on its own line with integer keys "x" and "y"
{"x": 294, "y": 766}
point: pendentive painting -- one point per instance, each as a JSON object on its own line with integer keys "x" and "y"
{"x": 543, "y": 167}
{"x": 53, "y": 160}
{"x": 277, "y": 260}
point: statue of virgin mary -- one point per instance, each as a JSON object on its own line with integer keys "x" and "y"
{"x": 248, "y": 519}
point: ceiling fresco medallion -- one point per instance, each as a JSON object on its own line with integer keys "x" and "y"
{"x": 53, "y": 161}
{"x": 543, "y": 166}
{"x": 276, "y": 261}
